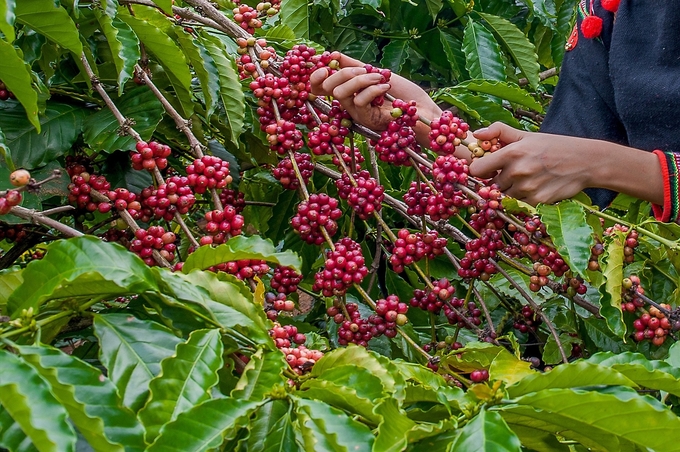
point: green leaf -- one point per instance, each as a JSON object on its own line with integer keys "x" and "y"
{"x": 454, "y": 53}
{"x": 482, "y": 53}
{"x": 185, "y": 380}
{"x": 482, "y": 108}
{"x": 80, "y": 266}
{"x": 60, "y": 126}
{"x": 132, "y": 350}
{"x": 205, "y": 68}
{"x": 650, "y": 374}
{"x": 507, "y": 367}
{"x": 395, "y": 54}
{"x": 324, "y": 428}
{"x": 487, "y": 432}
{"x": 169, "y": 55}
{"x": 612, "y": 271}
{"x": 272, "y": 429}
{"x": 11, "y": 436}
{"x": 362, "y": 50}
{"x": 538, "y": 440}
{"x": 10, "y": 280}
{"x": 517, "y": 45}
{"x": 205, "y": 426}
{"x": 28, "y": 400}
{"x": 7, "y": 18}
{"x": 165, "y": 5}
{"x": 433, "y": 7}
{"x": 91, "y": 400}
{"x": 231, "y": 93}
{"x": 392, "y": 432}
{"x": 608, "y": 414}
{"x": 262, "y": 374}
{"x": 505, "y": 90}
{"x": 572, "y": 375}
{"x": 51, "y": 21}
{"x": 16, "y": 75}
{"x": 295, "y": 14}
{"x": 240, "y": 247}
{"x": 360, "y": 357}
{"x": 124, "y": 47}
{"x": 100, "y": 130}
{"x": 569, "y": 231}
{"x": 602, "y": 337}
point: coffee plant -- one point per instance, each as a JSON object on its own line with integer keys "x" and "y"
{"x": 199, "y": 253}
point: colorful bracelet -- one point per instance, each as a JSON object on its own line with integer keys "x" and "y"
{"x": 670, "y": 171}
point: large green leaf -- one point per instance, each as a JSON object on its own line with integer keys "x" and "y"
{"x": 538, "y": 440}
{"x": 100, "y": 130}
{"x": 7, "y": 18}
{"x": 324, "y": 428}
{"x": 452, "y": 46}
{"x": 433, "y": 7}
{"x": 392, "y": 432}
{"x": 10, "y": 280}
{"x": 483, "y": 108}
{"x": 487, "y": 432}
{"x": 505, "y": 90}
{"x": 91, "y": 400}
{"x": 132, "y": 350}
{"x": 272, "y": 429}
{"x": 50, "y": 20}
{"x": 569, "y": 231}
{"x": 59, "y": 127}
{"x": 29, "y": 401}
{"x": 240, "y": 247}
{"x": 262, "y": 375}
{"x": 16, "y": 75}
{"x": 11, "y": 436}
{"x": 482, "y": 53}
{"x": 124, "y": 47}
{"x": 205, "y": 426}
{"x": 169, "y": 55}
{"x": 100, "y": 268}
{"x": 515, "y": 43}
{"x": 231, "y": 93}
{"x": 185, "y": 380}
{"x": 395, "y": 55}
{"x": 205, "y": 68}
{"x": 650, "y": 374}
{"x": 572, "y": 375}
{"x": 634, "y": 419}
{"x": 610, "y": 301}
{"x": 295, "y": 14}
{"x": 357, "y": 356}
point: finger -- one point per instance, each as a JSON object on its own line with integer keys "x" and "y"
{"x": 366, "y": 96}
{"x": 316, "y": 79}
{"x": 356, "y": 83}
{"x": 326, "y": 84}
{"x": 346, "y": 61}
{"x": 487, "y": 166}
{"x": 499, "y": 130}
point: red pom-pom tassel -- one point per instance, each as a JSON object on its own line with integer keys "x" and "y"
{"x": 611, "y": 5}
{"x": 591, "y": 27}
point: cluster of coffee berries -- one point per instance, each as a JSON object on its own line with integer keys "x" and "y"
{"x": 275, "y": 303}
{"x": 595, "y": 252}
{"x": 285, "y": 335}
{"x": 233, "y": 198}
{"x": 12, "y": 232}
{"x": 471, "y": 316}
{"x": 575, "y": 286}
{"x": 220, "y": 225}
{"x": 389, "y": 313}
{"x": 301, "y": 359}
{"x": 365, "y": 197}
{"x": 154, "y": 239}
{"x": 20, "y": 177}
{"x": 285, "y": 173}
{"x": 476, "y": 263}
{"x": 653, "y": 326}
{"x": 319, "y": 211}
{"x": 285, "y": 280}
{"x": 479, "y": 375}
{"x": 343, "y": 267}
{"x": 446, "y": 133}
{"x": 115, "y": 234}
{"x": 247, "y": 18}
{"x": 354, "y": 330}
{"x": 150, "y": 155}
{"x": 283, "y": 137}
{"x": 399, "y": 137}
{"x": 81, "y": 187}
{"x": 173, "y": 196}
{"x": 328, "y": 134}
{"x": 245, "y": 65}
{"x": 244, "y": 268}
{"x": 631, "y": 241}
{"x": 208, "y": 172}
{"x": 434, "y": 299}
{"x": 420, "y": 201}
{"x": 10, "y": 199}
{"x": 4, "y": 92}
{"x": 123, "y": 199}
{"x": 483, "y": 147}
{"x": 447, "y": 173}
{"x": 527, "y": 321}
{"x": 411, "y": 247}
{"x": 486, "y": 215}
{"x": 385, "y": 75}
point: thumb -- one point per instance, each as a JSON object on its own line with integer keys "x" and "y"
{"x": 503, "y": 132}
{"x": 316, "y": 79}
{"x": 487, "y": 166}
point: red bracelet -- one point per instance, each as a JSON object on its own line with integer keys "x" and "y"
{"x": 670, "y": 166}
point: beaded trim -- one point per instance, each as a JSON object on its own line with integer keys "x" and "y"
{"x": 670, "y": 171}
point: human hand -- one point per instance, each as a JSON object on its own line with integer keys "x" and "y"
{"x": 536, "y": 167}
